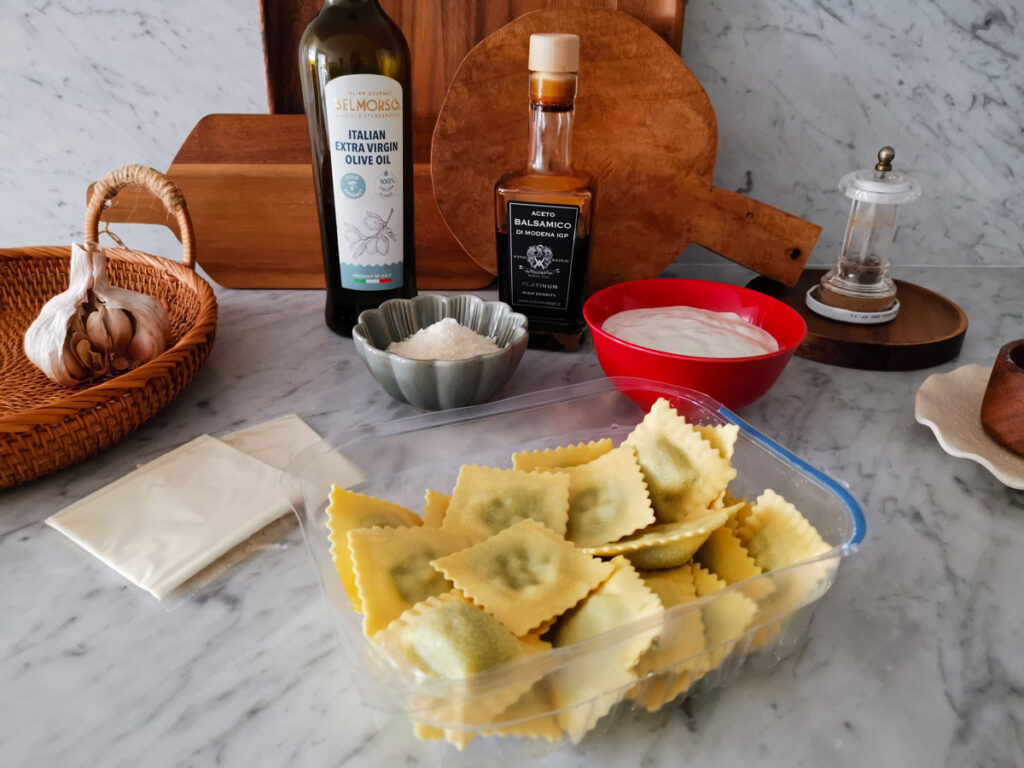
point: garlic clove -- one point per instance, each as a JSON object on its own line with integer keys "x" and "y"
{"x": 83, "y": 350}
{"x": 119, "y": 327}
{"x": 96, "y": 329}
{"x": 75, "y": 370}
{"x": 144, "y": 346}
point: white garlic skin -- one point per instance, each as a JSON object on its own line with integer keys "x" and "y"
{"x": 93, "y": 329}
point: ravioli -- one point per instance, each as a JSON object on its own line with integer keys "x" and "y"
{"x": 524, "y": 575}
{"x": 722, "y": 437}
{"x": 348, "y": 511}
{"x": 447, "y": 637}
{"x": 684, "y": 473}
{"x": 434, "y": 508}
{"x": 393, "y": 572}
{"x": 561, "y": 457}
{"x": 777, "y": 535}
{"x": 665, "y": 546}
{"x": 681, "y": 638}
{"x": 488, "y": 500}
{"x": 725, "y": 619}
{"x": 726, "y": 557}
{"x": 585, "y": 689}
{"x": 607, "y": 499}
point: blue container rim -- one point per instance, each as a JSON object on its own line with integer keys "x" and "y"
{"x": 852, "y": 506}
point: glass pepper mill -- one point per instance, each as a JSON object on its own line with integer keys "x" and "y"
{"x": 859, "y": 287}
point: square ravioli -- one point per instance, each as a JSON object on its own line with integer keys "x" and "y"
{"x": 681, "y": 638}
{"x": 348, "y": 511}
{"x": 725, "y": 619}
{"x": 684, "y": 472}
{"x": 607, "y": 499}
{"x": 447, "y": 637}
{"x": 668, "y": 545}
{"x": 488, "y": 500}
{"x": 561, "y": 457}
{"x": 392, "y": 569}
{"x": 435, "y": 506}
{"x": 586, "y": 688}
{"x": 777, "y": 535}
{"x": 524, "y": 575}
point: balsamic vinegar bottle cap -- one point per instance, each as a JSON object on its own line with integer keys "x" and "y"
{"x": 554, "y": 52}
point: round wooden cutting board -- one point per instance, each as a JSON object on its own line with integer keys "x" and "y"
{"x": 644, "y": 127}
{"x": 929, "y": 329}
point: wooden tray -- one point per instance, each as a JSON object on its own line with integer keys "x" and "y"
{"x": 255, "y": 213}
{"x": 929, "y": 329}
{"x": 644, "y": 126}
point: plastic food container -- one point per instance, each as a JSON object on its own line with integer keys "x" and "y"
{"x": 760, "y": 619}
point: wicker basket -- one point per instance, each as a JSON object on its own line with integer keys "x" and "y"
{"x": 46, "y": 426}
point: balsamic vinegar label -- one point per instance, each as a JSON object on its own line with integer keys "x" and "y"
{"x": 541, "y": 239}
{"x": 364, "y": 133}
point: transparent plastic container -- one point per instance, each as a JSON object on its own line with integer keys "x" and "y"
{"x": 403, "y": 458}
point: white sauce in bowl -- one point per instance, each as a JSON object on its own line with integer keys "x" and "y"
{"x": 690, "y": 331}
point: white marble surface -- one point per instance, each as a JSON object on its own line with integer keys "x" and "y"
{"x": 804, "y": 91}
{"x": 913, "y": 658}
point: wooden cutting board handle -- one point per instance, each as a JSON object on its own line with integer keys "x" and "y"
{"x": 758, "y": 236}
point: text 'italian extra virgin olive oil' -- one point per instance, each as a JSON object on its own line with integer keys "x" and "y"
{"x": 544, "y": 212}
{"x": 354, "y": 66}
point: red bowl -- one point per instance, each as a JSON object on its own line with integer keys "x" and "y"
{"x": 735, "y": 381}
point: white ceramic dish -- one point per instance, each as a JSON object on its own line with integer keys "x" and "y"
{"x": 950, "y": 403}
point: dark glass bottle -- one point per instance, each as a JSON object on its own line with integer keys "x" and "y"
{"x": 354, "y": 67}
{"x": 544, "y": 212}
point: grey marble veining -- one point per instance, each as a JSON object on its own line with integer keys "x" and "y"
{"x": 912, "y": 659}
{"x": 804, "y": 91}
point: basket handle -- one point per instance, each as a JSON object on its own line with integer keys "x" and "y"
{"x": 156, "y": 183}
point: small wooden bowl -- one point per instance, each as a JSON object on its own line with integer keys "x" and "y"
{"x": 1002, "y": 409}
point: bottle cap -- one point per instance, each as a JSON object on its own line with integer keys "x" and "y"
{"x": 554, "y": 52}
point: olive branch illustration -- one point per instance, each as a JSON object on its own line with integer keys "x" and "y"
{"x": 376, "y": 242}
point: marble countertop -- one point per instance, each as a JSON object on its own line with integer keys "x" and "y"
{"x": 913, "y": 658}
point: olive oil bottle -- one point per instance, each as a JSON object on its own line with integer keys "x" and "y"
{"x": 354, "y": 67}
{"x": 543, "y": 212}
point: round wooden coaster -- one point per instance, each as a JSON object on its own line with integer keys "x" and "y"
{"x": 929, "y": 329}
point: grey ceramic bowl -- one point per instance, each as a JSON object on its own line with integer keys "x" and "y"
{"x": 438, "y": 384}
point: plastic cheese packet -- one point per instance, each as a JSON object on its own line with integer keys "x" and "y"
{"x": 180, "y": 521}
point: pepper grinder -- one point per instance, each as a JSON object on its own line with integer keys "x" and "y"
{"x": 859, "y": 288}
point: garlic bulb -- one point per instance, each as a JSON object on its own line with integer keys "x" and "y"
{"x": 94, "y": 329}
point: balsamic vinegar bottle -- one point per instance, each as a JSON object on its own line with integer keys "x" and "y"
{"x": 543, "y": 213}
{"x": 354, "y": 67}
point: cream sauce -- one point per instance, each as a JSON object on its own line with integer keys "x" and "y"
{"x": 690, "y": 331}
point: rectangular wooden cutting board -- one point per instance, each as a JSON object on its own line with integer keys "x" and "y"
{"x": 254, "y": 209}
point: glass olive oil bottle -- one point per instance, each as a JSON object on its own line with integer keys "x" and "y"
{"x": 354, "y": 67}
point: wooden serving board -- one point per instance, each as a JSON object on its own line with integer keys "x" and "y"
{"x": 255, "y": 214}
{"x": 928, "y": 331}
{"x": 644, "y": 126}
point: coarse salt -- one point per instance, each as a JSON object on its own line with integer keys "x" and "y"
{"x": 444, "y": 340}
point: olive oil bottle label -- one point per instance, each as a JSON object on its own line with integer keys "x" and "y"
{"x": 364, "y": 133}
{"x": 541, "y": 240}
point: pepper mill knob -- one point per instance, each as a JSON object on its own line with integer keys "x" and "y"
{"x": 885, "y": 158}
